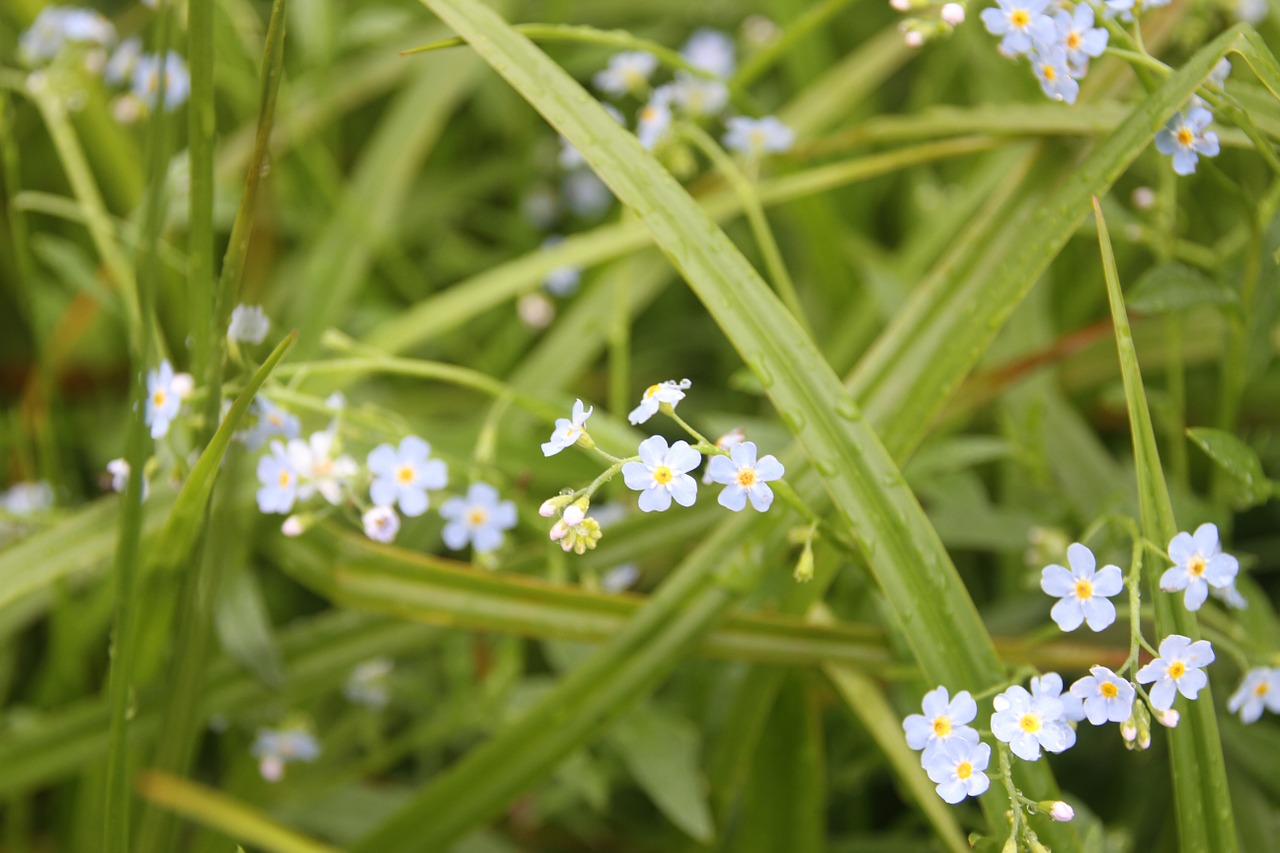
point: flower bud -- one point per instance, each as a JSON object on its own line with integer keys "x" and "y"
{"x": 913, "y": 38}
{"x": 293, "y": 526}
{"x": 953, "y": 14}
{"x": 1168, "y": 719}
{"x": 1058, "y": 810}
{"x": 804, "y": 566}
{"x": 559, "y": 530}
{"x": 551, "y": 506}
{"x": 900, "y": 5}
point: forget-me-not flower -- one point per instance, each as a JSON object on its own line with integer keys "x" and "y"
{"x": 654, "y": 118}
{"x": 1260, "y": 689}
{"x": 627, "y": 72}
{"x": 956, "y": 767}
{"x": 58, "y": 25}
{"x": 403, "y": 475}
{"x": 1177, "y": 670}
{"x": 670, "y": 392}
{"x": 1077, "y": 35}
{"x": 381, "y": 523}
{"x": 279, "y": 480}
{"x": 480, "y": 518}
{"x": 1083, "y": 591}
{"x": 318, "y": 469}
{"x": 1020, "y": 23}
{"x": 1106, "y": 696}
{"x": 662, "y": 474}
{"x": 1200, "y": 564}
{"x": 1026, "y": 723}
{"x": 1049, "y": 62}
{"x": 710, "y": 50}
{"x": 274, "y": 748}
{"x": 567, "y": 432}
{"x": 1185, "y": 139}
{"x": 177, "y": 80}
{"x": 944, "y": 719}
{"x": 756, "y": 136}
{"x": 745, "y": 477}
{"x": 165, "y": 392}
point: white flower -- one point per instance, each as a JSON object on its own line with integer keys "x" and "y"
{"x": 279, "y": 480}
{"x": 249, "y": 324}
{"x": 1025, "y": 723}
{"x": 567, "y": 432}
{"x": 655, "y": 117}
{"x": 660, "y": 475}
{"x": 57, "y": 25}
{"x": 27, "y": 498}
{"x": 1260, "y": 689}
{"x": 479, "y": 518}
{"x": 165, "y": 391}
{"x": 119, "y": 471}
{"x": 274, "y": 748}
{"x": 745, "y": 477}
{"x": 664, "y": 392}
{"x": 699, "y": 97}
{"x": 294, "y": 526}
{"x": 146, "y": 80}
{"x": 626, "y": 73}
{"x": 1084, "y": 594}
{"x": 1200, "y": 564}
{"x": 381, "y": 524}
{"x": 943, "y": 721}
{"x": 1106, "y": 696}
{"x": 318, "y": 470}
{"x": 957, "y": 767}
{"x": 753, "y": 137}
{"x": 710, "y": 50}
{"x": 1177, "y": 669}
{"x": 403, "y": 475}
{"x": 367, "y": 684}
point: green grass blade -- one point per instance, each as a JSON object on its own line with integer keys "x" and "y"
{"x": 1202, "y": 800}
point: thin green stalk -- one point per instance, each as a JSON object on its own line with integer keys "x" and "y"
{"x": 620, "y": 342}
{"x": 206, "y": 350}
{"x": 139, "y": 305}
{"x": 769, "y": 55}
{"x": 1202, "y": 799}
{"x": 238, "y": 246}
{"x": 754, "y": 211}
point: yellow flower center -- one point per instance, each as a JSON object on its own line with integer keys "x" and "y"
{"x": 1073, "y": 40}
{"x": 1020, "y": 18}
{"x": 964, "y": 770}
{"x": 1185, "y": 136}
{"x": 647, "y": 115}
{"x": 1262, "y": 689}
{"x": 1109, "y": 690}
{"x": 746, "y": 477}
{"x": 1195, "y": 566}
{"x": 1048, "y": 71}
{"x": 942, "y": 726}
{"x": 159, "y": 397}
{"x": 285, "y": 478}
{"x": 405, "y": 474}
{"x": 1084, "y": 589}
{"x": 662, "y": 475}
{"x": 1177, "y": 669}
{"x": 477, "y": 516}
{"x": 1030, "y": 723}
{"x": 322, "y": 467}
{"x": 275, "y": 420}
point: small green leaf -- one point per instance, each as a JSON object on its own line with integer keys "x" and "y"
{"x": 1173, "y": 286}
{"x": 1238, "y": 460}
{"x": 661, "y": 750}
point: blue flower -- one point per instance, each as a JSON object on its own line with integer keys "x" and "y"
{"x": 1106, "y": 696}
{"x": 1186, "y": 139}
{"x": 177, "y": 80}
{"x": 745, "y": 477}
{"x": 279, "y": 481}
{"x": 1026, "y": 723}
{"x": 1200, "y": 564}
{"x": 1019, "y": 22}
{"x": 165, "y": 390}
{"x": 944, "y": 720}
{"x": 710, "y": 50}
{"x": 957, "y": 767}
{"x": 567, "y": 432}
{"x": 1083, "y": 591}
{"x": 626, "y": 73}
{"x": 1260, "y": 689}
{"x": 57, "y": 25}
{"x": 1075, "y": 32}
{"x": 1049, "y": 62}
{"x": 274, "y": 748}
{"x": 480, "y": 518}
{"x": 661, "y": 474}
{"x": 1177, "y": 670}
{"x": 403, "y": 475}
{"x": 756, "y": 136}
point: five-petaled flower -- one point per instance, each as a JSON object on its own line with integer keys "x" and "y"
{"x": 165, "y": 392}
{"x": 756, "y": 136}
{"x": 1200, "y": 564}
{"x": 1260, "y": 689}
{"x": 1075, "y": 32}
{"x": 1049, "y": 62}
{"x": 662, "y": 474}
{"x": 957, "y": 767}
{"x": 944, "y": 720}
{"x": 1019, "y": 22}
{"x": 567, "y": 432}
{"x": 318, "y": 470}
{"x": 1178, "y": 669}
{"x": 1083, "y": 591}
{"x": 403, "y": 475}
{"x": 710, "y": 50}
{"x": 1107, "y": 697}
{"x": 279, "y": 480}
{"x": 479, "y": 518}
{"x": 670, "y": 392}
{"x": 1026, "y": 723}
{"x": 627, "y": 72}
{"x": 1185, "y": 138}
{"x": 745, "y": 477}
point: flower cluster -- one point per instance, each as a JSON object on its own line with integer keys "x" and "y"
{"x": 66, "y": 39}
{"x": 276, "y": 748}
{"x": 660, "y": 471}
{"x": 1058, "y": 46}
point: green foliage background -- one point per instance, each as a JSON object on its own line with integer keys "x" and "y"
{"x": 949, "y": 402}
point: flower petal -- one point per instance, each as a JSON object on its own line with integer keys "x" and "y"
{"x": 1108, "y": 582}
{"x": 1057, "y": 581}
{"x": 1081, "y": 560}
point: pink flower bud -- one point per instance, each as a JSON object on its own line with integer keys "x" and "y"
{"x": 292, "y": 527}
{"x": 1062, "y": 812}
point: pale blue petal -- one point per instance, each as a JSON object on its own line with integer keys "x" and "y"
{"x": 654, "y": 500}
{"x": 413, "y": 502}
{"x": 637, "y": 476}
{"x": 455, "y": 535}
{"x": 1197, "y": 592}
{"x": 1099, "y": 613}
{"x": 684, "y": 489}
{"x": 1108, "y": 582}
{"x": 744, "y": 454}
{"x": 722, "y": 470}
{"x": 1206, "y": 539}
{"x": 1068, "y": 614}
{"x": 733, "y": 497}
{"x": 1057, "y": 581}
{"x": 769, "y": 468}
{"x": 1191, "y": 683}
{"x": 761, "y": 496}
{"x": 413, "y": 449}
{"x": 382, "y": 491}
{"x": 382, "y": 459}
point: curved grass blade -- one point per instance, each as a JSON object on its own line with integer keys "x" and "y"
{"x": 1202, "y": 800}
